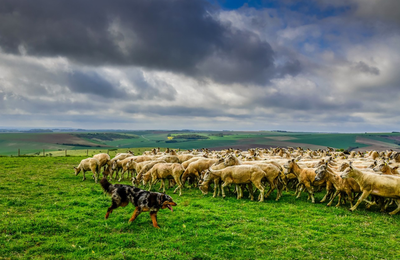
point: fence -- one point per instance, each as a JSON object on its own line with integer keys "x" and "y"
{"x": 66, "y": 152}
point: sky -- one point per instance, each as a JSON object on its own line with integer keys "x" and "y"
{"x": 320, "y": 66}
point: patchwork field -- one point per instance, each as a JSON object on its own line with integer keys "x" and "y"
{"x": 48, "y": 213}
{"x": 30, "y": 143}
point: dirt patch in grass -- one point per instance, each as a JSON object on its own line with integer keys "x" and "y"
{"x": 281, "y": 138}
{"x": 59, "y": 139}
{"x": 242, "y": 146}
{"x": 271, "y": 144}
{"x": 375, "y": 145}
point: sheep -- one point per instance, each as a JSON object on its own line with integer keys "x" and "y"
{"x": 305, "y": 177}
{"x": 238, "y": 174}
{"x": 387, "y": 186}
{"x": 165, "y": 171}
{"x": 89, "y": 164}
{"x": 194, "y": 169}
{"x": 141, "y": 171}
{"x": 348, "y": 186}
{"x": 104, "y": 159}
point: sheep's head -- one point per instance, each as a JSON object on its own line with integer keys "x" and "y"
{"x": 320, "y": 172}
{"x": 77, "y": 170}
{"x": 288, "y": 166}
{"x": 382, "y": 167}
{"x": 347, "y": 173}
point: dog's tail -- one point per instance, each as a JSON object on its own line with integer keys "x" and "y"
{"x": 107, "y": 186}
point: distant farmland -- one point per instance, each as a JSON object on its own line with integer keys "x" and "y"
{"x": 30, "y": 143}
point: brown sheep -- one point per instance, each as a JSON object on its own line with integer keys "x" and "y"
{"x": 348, "y": 186}
{"x": 387, "y": 186}
{"x": 104, "y": 159}
{"x": 194, "y": 169}
{"x": 147, "y": 165}
{"x": 165, "y": 171}
{"x": 89, "y": 164}
{"x": 238, "y": 174}
{"x": 305, "y": 177}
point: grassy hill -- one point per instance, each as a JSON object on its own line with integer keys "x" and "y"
{"x": 30, "y": 143}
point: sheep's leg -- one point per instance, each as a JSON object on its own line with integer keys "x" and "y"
{"x": 162, "y": 186}
{"x": 272, "y": 187}
{"x": 238, "y": 191}
{"x": 398, "y": 207}
{"x": 300, "y": 187}
{"x": 219, "y": 189}
{"x": 261, "y": 189}
{"x": 339, "y": 200}
{"x": 326, "y": 196}
{"x": 178, "y": 181}
{"x": 279, "y": 192}
{"x": 310, "y": 191}
{"x": 122, "y": 175}
{"x": 363, "y": 196}
{"x": 226, "y": 183}
{"x": 150, "y": 184}
{"x": 334, "y": 196}
{"x": 216, "y": 184}
{"x": 251, "y": 191}
{"x": 297, "y": 189}
{"x": 95, "y": 175}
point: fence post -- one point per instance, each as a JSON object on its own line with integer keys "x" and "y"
{"x": 108, "y": 152}
{"x": 43, "y": 153}
{"x": 65, "y": 152}
{"x": 18, "y": 152}
{"x": 87, "y": 152}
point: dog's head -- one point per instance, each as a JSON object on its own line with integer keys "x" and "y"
{"x": 167, "y": 202}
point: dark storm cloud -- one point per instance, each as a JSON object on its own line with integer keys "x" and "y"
{"x": 93, "y": 83}
{"x": 180, "y": 36}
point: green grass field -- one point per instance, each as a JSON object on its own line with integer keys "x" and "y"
{"x": 48, "y": 213}
{"x": 30, "y": 143}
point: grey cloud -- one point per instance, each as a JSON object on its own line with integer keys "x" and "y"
{"x": 182, "y": 111}
{"x": 363, "y": 67}
{"x": 292, "y": 68}
{"x": 181, "y": 36}
{"x": 93, "y": 83}
{"x": 11, "y": 101}
{"x": 149, "y": 91}
{"x": 387, "y": 11}
{"x": 316, "y": 101}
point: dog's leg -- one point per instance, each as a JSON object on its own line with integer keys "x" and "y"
{"x": 84, "y": 177}
{"x": 153, "y": 216}
{"x": 135, "y": 214}
{"x": 110, "y": 209}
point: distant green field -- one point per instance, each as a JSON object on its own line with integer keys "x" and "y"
{"x": 56, "y": 143}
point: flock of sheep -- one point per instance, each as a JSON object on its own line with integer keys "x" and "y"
{"x": 371, "y": 176}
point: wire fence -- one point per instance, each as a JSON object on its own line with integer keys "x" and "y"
{"x": 80, "y": 152}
